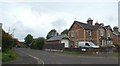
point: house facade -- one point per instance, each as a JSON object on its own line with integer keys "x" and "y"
{"x": 116, "y": 35}
{"x": 98, "y": 34}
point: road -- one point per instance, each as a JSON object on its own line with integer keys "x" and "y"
{"x": 44, "y": 57}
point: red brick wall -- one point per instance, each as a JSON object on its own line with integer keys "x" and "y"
{"x": 94, "y": 36}
{"x": 115, "y": 39}
{"x": 78, "y": 33}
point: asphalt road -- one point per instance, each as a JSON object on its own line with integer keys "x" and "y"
{"x": 30, "y": 56}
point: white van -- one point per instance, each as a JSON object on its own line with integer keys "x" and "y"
{"x": 86, "y": 44}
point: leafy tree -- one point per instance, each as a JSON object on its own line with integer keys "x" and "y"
{"x": 52, "y": 33}
{"x": 28, "y": 39}
{"x": 64, "y": 32}
{"x": 6, "y": 41}
{"x": 38, "y": 43}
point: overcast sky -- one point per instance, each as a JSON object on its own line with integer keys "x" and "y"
{"x": 38, "y": 18}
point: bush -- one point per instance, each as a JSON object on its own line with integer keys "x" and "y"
{"x": 8, "y": 56}
{"x": 117, "y": 45}
{"x": 38, "y": 43}
{"x": 71, "y": 52}
{"x": 7, "y": 41}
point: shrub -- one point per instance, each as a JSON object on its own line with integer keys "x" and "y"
{"x": 8, "y": 56}
{"x": 7, "y": 41}
{"x": 38, "y": 43}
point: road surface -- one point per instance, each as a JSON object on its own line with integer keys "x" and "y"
{"x": 30, "y": 56}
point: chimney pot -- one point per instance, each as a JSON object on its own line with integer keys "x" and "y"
{"x": 115, "y": 29}
{"x": 89, "y": 21}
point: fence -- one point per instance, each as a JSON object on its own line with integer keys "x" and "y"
{"x": 54, "y": 47}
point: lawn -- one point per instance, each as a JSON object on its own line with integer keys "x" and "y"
{"x": 8, "y": 56}
{"x": 115, "y": 55}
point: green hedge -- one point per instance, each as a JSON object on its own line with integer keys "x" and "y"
{"x": 71, "y": 52}
{"x": 38, "y": 43}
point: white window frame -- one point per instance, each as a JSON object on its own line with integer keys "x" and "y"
{"x": 101, "y": 33}
{"x": 108, "y": 34}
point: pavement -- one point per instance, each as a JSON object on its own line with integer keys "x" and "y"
{"x": 31, "y": 56}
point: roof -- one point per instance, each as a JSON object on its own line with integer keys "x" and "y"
{"x": 116, "y": 33}
{"x": 87, "y": 26}
{"x": 59, "y": 37}
{"x": 108, "y": 27}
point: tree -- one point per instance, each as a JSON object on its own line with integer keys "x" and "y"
{"x": 28, "y": 39}
{"x": 52, "y": 33}
{"x": 38, "y": 43}
{"x": 7, "y": 42}
{"x": 64, "y": 32}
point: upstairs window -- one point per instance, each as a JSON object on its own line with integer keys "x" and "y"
{"x": 72, "y": 33}
{"x": 101, "y": 33}
{"x": 88, "y": 33}
{"x": 108, "y": 34}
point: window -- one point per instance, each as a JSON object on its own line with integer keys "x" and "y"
{"x": 76, "y": 43}
{"x": 101, "y": 42}
{"x": 87, "y": 44}
{"x": 109, "y": 43}
{"x": 108, "y": 34}
{"x": 76, "y": 33}
{"x": 72, "y": 33}
{"x": 90, "y": 33}
{"x": 101, "y": 33}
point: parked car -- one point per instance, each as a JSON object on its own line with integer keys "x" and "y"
{"x": 84, "y": 45}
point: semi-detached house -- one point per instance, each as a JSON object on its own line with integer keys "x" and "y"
{"x": 98, "y": 34}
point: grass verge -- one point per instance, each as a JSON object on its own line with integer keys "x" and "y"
{"x": 8, "y": 56}
{"x": 0, "y": 55}
{"x": 71, "y": 52}
{"x": 116, "y": 55}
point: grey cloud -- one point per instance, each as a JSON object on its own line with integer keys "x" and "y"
{"x": 21, "y": 30}
{"x": 59, "y": 23}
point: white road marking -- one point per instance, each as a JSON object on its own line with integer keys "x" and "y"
{"x": 37, "y": 59}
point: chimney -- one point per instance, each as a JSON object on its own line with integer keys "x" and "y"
{"x": 97, "y": 23}
{"x": 115, "y": 29}
{"x": 89, "y": 21}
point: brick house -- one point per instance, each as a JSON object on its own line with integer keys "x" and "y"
{"x": 109, "y": 35}
{"x": 116, "y": 35}
{"x": 99, "y": 34}
{"x": 58, "y": 40}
